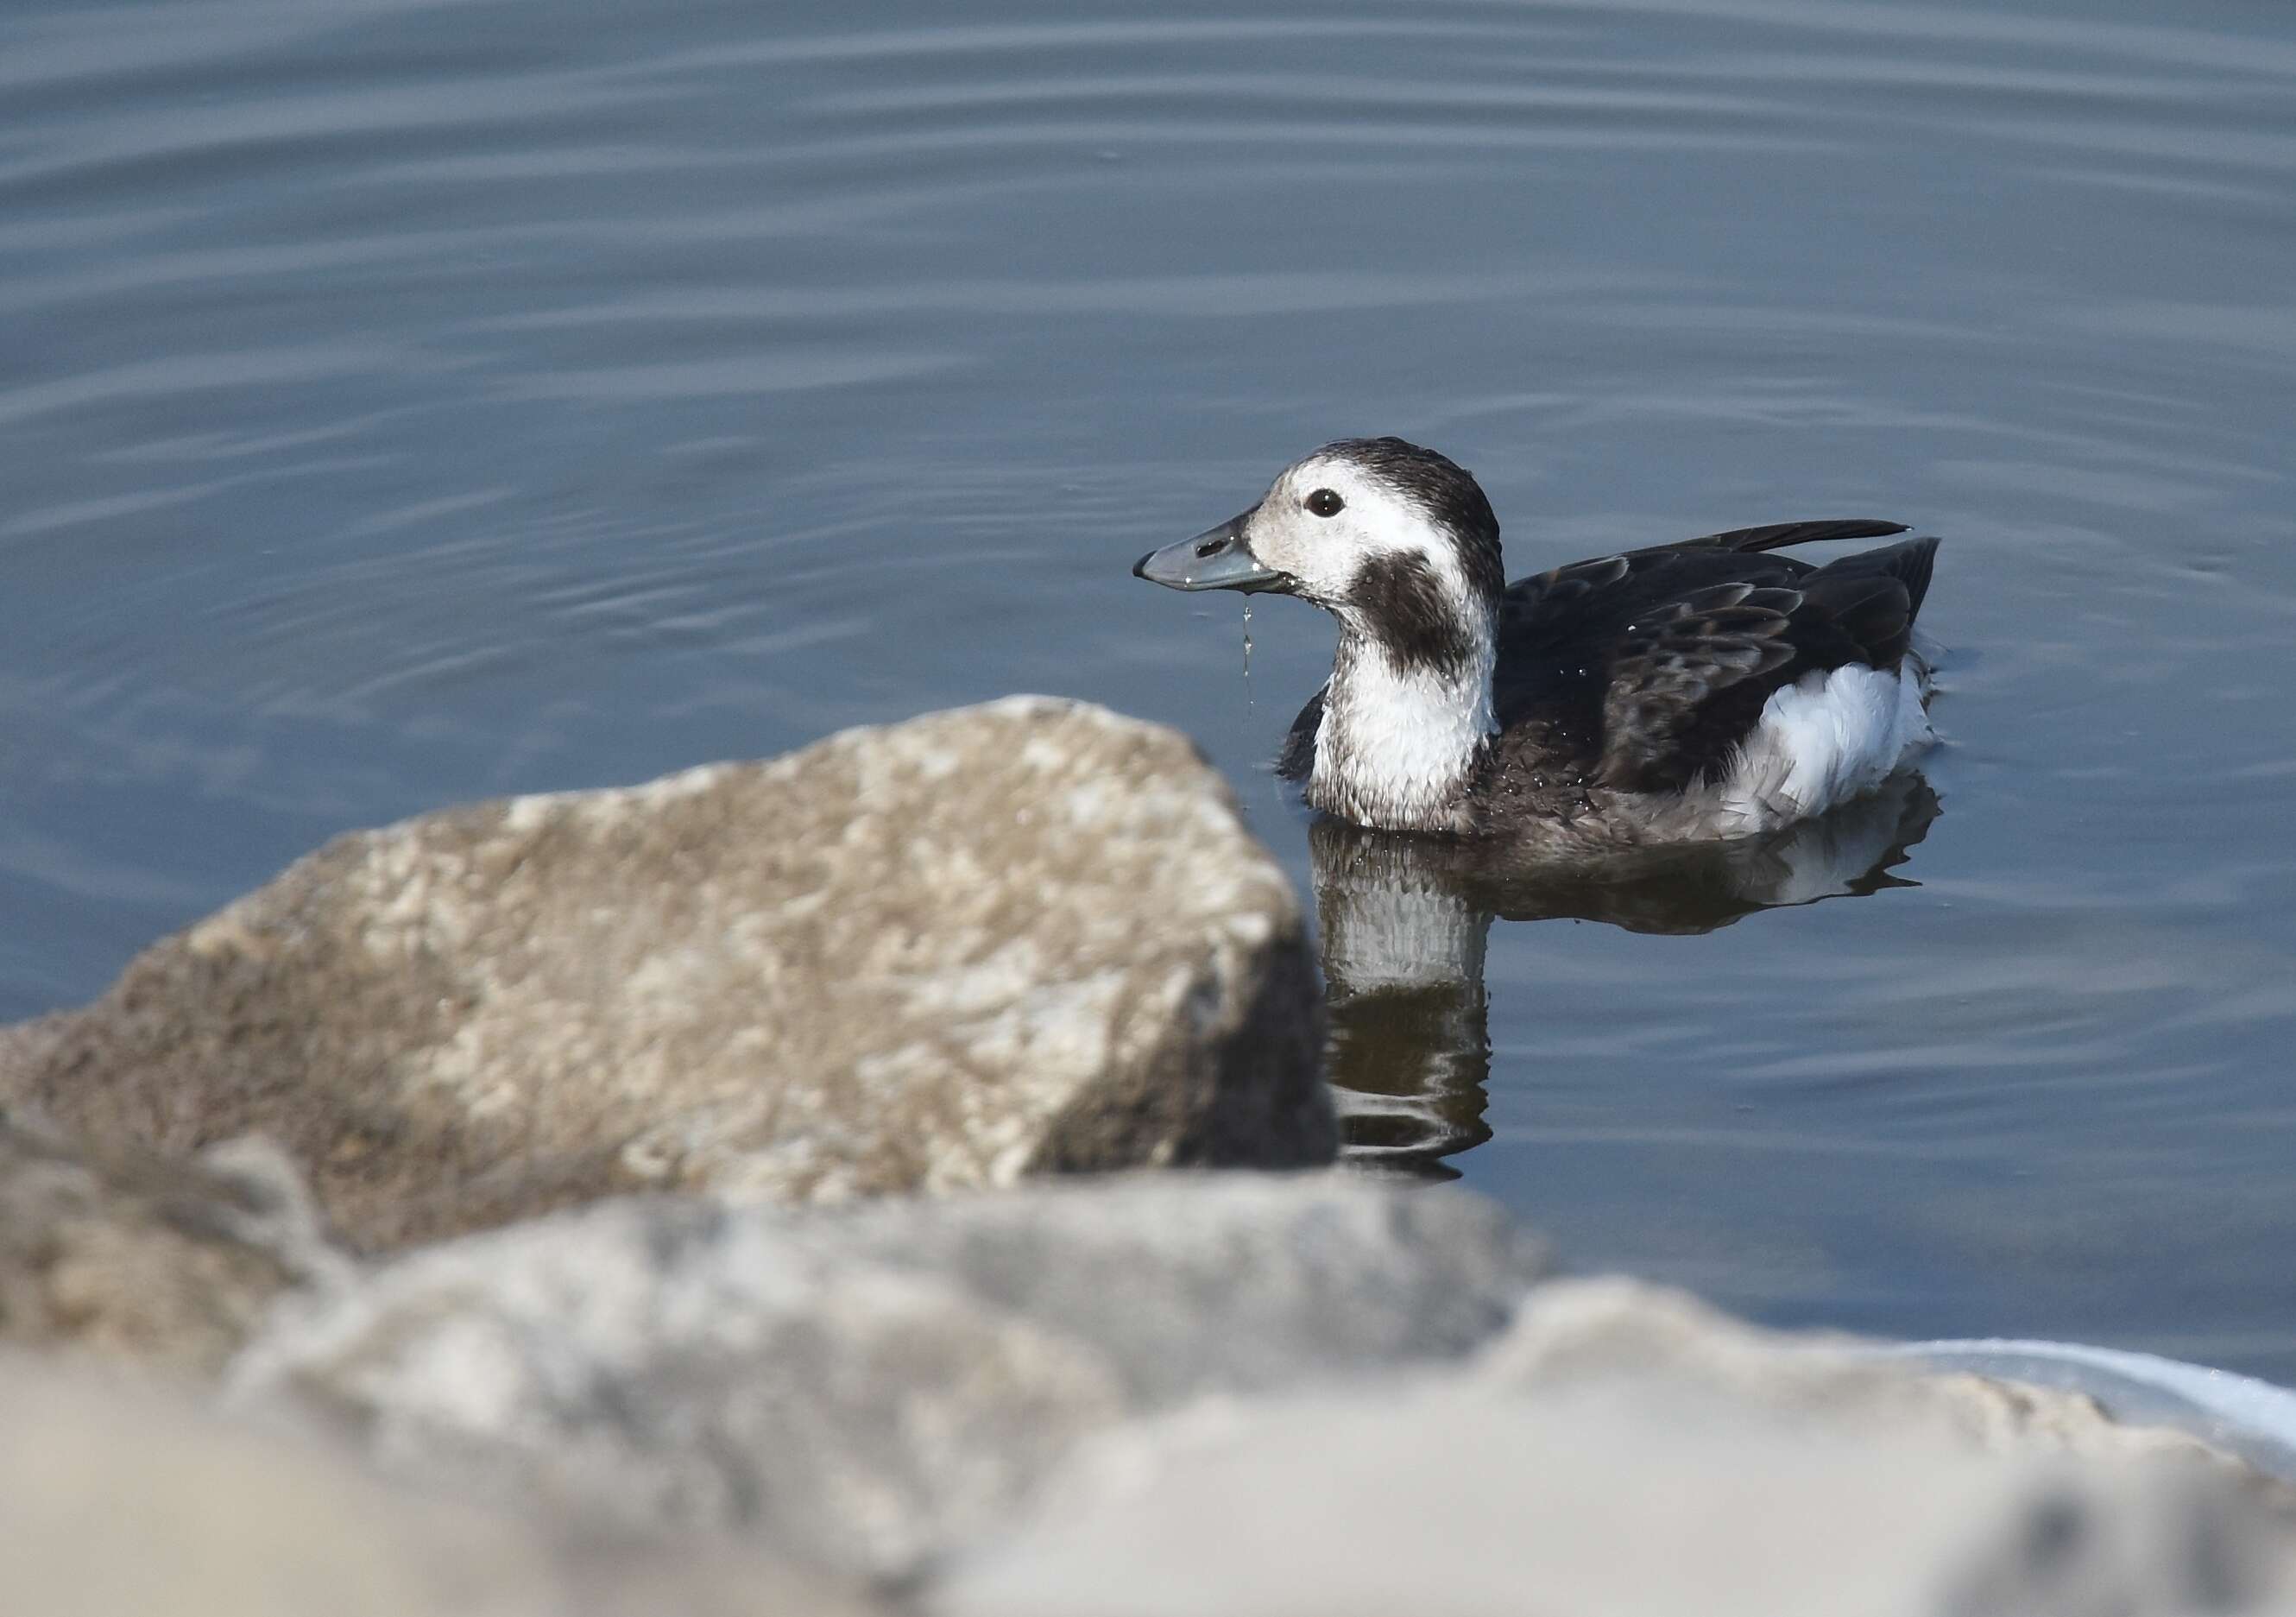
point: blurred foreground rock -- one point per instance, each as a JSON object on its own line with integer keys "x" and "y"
{"x": 1635, "y": 1499}
{"x": 1625, "y": 1450}
{"x": 873, "y": 1386}
{"x": 115, "y": 1502}
{"x": 1235, "y": 1394}
{"x": 1024, "y": 938}
{"x": 131, "y": 1256}
{"x": 1147, "y": 1394}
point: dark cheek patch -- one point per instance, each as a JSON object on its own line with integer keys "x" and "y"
{"x": 1405, "y": 611}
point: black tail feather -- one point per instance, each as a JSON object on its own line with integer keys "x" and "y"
{"x": 1909, "y": 563}
{"x": 1777, "y": 535}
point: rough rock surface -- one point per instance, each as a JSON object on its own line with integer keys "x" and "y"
{"x": 134, "y": 1257}
{"x": 116, "y": 1501}
{"x": 1027, "y": 937}
{"x": 1638, "y": 1499}
{"x": 874, "y": 1385}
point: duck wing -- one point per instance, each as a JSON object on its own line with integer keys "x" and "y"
{"x": 1687, "y": 678}
{"x": 1568, "y": 602}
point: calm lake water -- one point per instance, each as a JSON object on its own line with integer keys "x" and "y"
{"x": 407, "y": 401}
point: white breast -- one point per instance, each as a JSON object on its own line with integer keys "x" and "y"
{"x": 1397, "y": 746}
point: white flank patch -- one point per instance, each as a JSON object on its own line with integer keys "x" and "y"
{"x": 1823, "y": 740}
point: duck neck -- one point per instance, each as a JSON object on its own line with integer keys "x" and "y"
{"x": 1406, "y": 722}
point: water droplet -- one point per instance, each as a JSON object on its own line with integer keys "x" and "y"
{"x": 1247, "y": 655}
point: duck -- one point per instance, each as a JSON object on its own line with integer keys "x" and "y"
{"x": 1698, "y": 691}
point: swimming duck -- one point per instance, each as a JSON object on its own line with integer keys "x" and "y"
{"x": 1711, "y": 688}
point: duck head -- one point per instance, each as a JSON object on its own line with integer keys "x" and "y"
{"x": 1395, "y": 541}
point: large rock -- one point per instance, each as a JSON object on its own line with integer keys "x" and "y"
{"x": 1024, "y": 938}
{"x": 115, "y": 1501}
{"x": 876, "y": 1386}
{"x": 114, "y": 1252}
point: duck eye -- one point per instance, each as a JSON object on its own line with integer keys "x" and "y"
{"x": 1323, "y": 501}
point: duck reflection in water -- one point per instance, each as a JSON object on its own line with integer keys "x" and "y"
{"x": 1405, "y": 919}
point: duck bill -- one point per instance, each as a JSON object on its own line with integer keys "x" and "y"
{"x": 1216, "y": 559}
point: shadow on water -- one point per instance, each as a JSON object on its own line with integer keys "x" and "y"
{"x": 1404, "y": 921}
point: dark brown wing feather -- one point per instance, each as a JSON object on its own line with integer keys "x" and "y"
{"x": 1688, "y": 681}
{"x": 1608, "y": 591}
{"x": 1673, "y": 661}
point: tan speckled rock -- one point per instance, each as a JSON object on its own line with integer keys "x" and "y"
{"x": 1031, "y": 936}
{"x": 134, "y": 1258}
